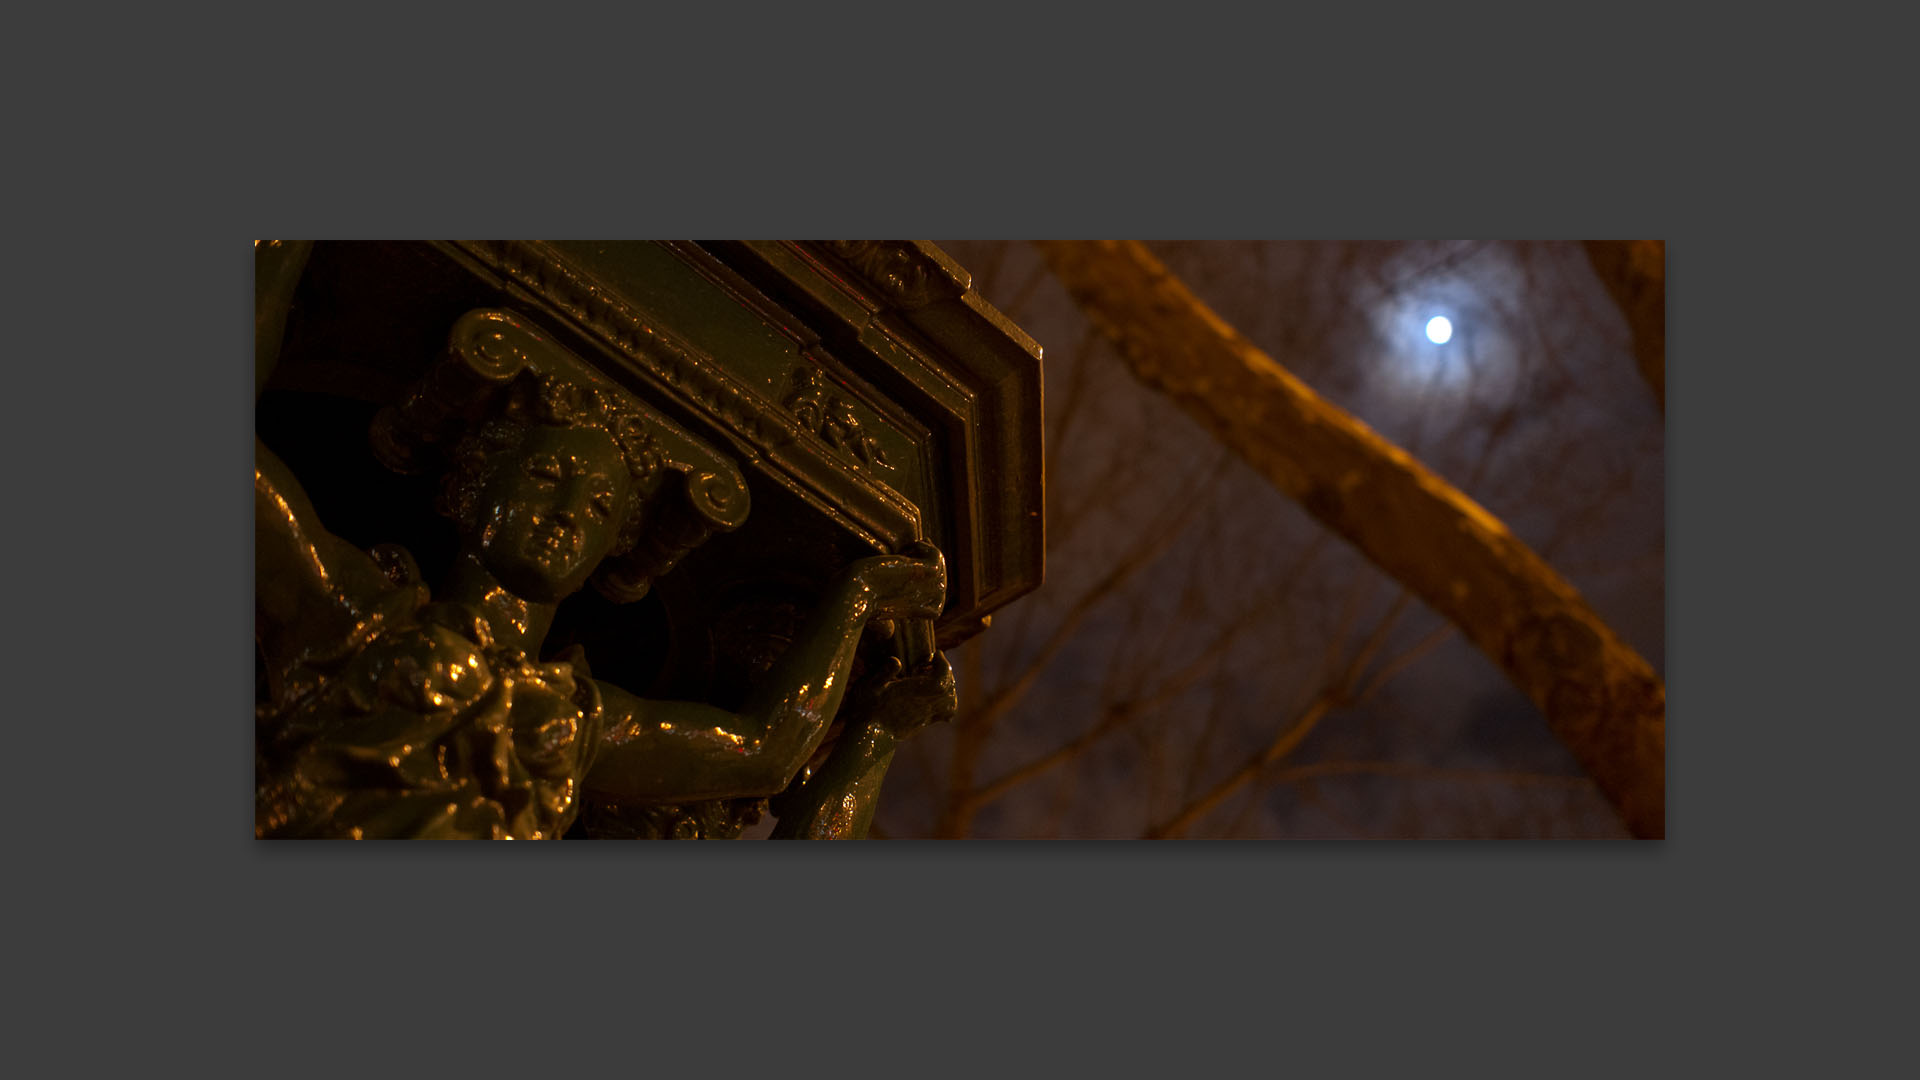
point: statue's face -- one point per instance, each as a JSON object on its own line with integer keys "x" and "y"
{"x": 552, "y": 511}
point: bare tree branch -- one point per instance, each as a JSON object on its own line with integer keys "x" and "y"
{"x": 1302, "y": 773}
{"x": 1119, "y": 715}
{"x": 971, "y": 730}
{"x": 1602, "y": 699}
{"x": 1290, "y": 736}
{"x": 1635, "y": 272}
{"x": 1433, "y": 640}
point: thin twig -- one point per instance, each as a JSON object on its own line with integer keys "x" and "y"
{"x": 1290, "y": 736}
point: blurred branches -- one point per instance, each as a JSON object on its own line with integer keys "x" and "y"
{"x": 1599, "y": 695}
{"x": 1635, "y": 273}
{"x": 1203, "y": 660}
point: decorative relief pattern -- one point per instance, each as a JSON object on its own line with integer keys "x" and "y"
{"x": 830, "y": 417}
{"x": 901, "y": 273}
{"x": 766, "y": 428}
{"x": 657, "y": 353}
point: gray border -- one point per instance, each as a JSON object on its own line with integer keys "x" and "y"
{"x": 166, "y": 913}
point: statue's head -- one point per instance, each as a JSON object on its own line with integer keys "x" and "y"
{"x": 551, "y": 484}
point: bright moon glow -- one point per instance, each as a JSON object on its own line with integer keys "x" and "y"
{"x": 1439, "y": 329}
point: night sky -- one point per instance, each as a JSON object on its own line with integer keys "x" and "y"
{"x": 1191, "y": 598}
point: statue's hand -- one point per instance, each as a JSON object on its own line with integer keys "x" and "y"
{"x": 904, "y": 702}
{"x": 911, "y": 585}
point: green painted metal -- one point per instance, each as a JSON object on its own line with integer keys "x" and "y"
{"x": 756, "y": 479}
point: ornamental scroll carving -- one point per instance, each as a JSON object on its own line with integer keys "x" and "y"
{"x": 831, "y": 417}
{"x": 905, "y": 276}
{"x": 694, "y": 376}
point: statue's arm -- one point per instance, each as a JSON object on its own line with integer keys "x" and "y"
{"x": 838, "y": 800}
{"x": 312, "y": 590}
{"x": 683, "y": 751}
{"x": 277, "y": 266}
